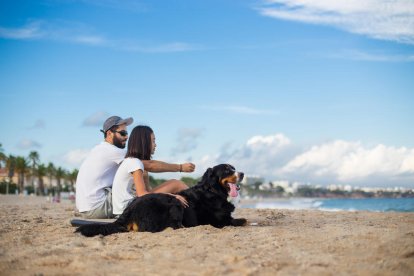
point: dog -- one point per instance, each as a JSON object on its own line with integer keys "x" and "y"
{"x": 208, "y": 205}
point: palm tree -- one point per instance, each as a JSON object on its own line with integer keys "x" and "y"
{"x": 41, "y": 172}
{"x": 10, "y": 166}
{"x": 3, "y": 157}
{"x": 22, "y": 168}
{"x": 34, "y": 158}
{"x": 60, "y": 173}
{"x": 50, "y": 171}
{"x": 71, "y": 176}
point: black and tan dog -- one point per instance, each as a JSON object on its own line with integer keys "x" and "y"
{"x": 207, "y": 200}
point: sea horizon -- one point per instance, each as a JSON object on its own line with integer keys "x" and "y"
{"x": 330, "y": 204}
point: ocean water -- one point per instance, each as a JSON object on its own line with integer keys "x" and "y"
{"x": 345, "y": 204}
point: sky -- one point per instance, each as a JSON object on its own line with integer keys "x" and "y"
{"x": 311, "y": 91}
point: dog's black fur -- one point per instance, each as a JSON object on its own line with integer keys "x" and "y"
{"x": 155, "y": 212}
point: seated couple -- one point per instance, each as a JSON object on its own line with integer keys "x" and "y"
{"x": 110, "y": 178}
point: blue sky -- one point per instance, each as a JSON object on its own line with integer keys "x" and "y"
{"x": 310, "y": 91}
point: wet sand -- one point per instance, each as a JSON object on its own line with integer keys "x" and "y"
{"x": 36, "y": 238}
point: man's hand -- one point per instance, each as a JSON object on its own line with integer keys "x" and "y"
{"x": 187, "y": 167}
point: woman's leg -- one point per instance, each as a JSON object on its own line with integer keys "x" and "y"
{"x": 170, "y": 186}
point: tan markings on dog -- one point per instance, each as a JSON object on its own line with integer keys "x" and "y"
{"x": 133, "y": 227}
{"x": 228, "y": 179}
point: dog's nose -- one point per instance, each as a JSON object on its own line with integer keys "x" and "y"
{"x": 241, "y": 175}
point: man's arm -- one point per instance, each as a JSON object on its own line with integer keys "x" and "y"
{"x": 160, "y": 166}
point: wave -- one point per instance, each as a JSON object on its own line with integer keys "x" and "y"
{"x": 291, "y": 204}
{"x": 334, "y": 205}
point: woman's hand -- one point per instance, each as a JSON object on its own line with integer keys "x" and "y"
{"x": 182, "y": 199}
{"x": 187, "y": 167}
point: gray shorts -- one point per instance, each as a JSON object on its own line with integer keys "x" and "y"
{"x": 103, "y": 211}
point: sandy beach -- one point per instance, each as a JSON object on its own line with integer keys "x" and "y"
{"x": 37, "y": 239}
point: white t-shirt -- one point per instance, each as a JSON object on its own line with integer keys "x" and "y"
{"x": 95, "y": 174}
{"x": 123, "y": 190}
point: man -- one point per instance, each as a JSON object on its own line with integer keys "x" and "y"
{"x": 96, "y": 174}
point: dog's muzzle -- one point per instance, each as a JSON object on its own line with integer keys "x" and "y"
{"x": 240, "y": 176}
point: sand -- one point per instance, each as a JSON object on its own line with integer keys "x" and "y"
{"x": 37, "y": 239}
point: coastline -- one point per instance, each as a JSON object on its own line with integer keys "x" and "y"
{"x": 36, "y": 238}
{"x": 331, "y": 204}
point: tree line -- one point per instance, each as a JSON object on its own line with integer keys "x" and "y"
{"x": 29, "y": 168}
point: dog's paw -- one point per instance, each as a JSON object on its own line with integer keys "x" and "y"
{"x": 239, "y": 222}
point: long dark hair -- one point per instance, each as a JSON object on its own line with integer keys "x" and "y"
{"x": 139, "y": 143}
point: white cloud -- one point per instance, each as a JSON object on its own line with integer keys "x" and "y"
{"x": 380, "y": 19}
{"x": 365, "y": 56}
{"x": 28, "y": 144}
{"x": 38, "y": 124}
{"x": 267, "y": 142}
{"x": 31, "y": 31}
{"x": 407, "y": 165}
{"x": 187, "y": 140}
{"x": 74, "y": 158}
{"x": 275, "y": 157}
{"x": 351, "y": 162}
{"x": 78, "y": 33}
{"x": 96, "y": 119}
{"x": 92, "y": 40}
{"x": 324, "y": 157}
{"x": 260, "y": 155}
{"x": 172, "y": 47}
{"x": 58, "y": 30}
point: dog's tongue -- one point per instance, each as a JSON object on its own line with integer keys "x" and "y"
{"x": 233, "y": 190}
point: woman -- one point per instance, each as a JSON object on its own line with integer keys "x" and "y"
{"x": 129, "y": 179}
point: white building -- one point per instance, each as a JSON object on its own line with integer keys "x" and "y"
{"x": 289, "y": 187}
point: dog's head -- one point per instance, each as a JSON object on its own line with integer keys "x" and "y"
{"x": 224, "y": 178}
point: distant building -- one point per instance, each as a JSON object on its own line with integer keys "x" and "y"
{"x": 282, "y": 183}
{"x": 288, "y": 187}
{"x": 4, "y": 176}
{"x": 348, "y": 188}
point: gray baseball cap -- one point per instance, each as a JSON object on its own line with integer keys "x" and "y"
{"x": 116, "y": 121}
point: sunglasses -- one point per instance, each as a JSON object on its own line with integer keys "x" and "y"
{"x": 122, "y": 132}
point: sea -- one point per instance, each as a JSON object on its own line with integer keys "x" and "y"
{"x": 342, "y": 204}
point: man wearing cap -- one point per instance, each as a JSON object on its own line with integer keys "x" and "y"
{"x": 96, "y": 174}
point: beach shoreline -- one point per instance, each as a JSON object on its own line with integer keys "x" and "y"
{"x": 36, "y": 238}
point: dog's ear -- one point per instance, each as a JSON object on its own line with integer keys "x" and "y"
{"x": 207, "y": 175}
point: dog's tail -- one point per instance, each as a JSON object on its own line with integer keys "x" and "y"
{"x": 91, "y": 230}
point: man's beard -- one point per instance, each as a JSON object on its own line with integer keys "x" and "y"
{"x": 118, "y": 143}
